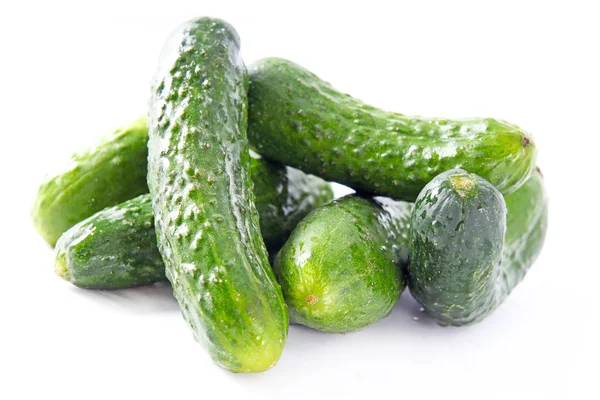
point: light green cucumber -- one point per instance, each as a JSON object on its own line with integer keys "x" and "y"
{"x": 109, "y": 173}
{"x": 343, "y": 266}
{"x": 205, "y": 218}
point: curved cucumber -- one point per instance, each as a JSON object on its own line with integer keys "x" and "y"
{"x": 206, "y": 221}
{"x": 87, "y": 184}
{"x": 457, "y": 232}
{"x": 342, "y": 267}
{"x": 298, "y": 119}
{"x": 526, "y": 224}
{"x": 116, "y": 247}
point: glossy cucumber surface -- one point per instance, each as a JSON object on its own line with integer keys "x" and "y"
{"x": 105, "y": 175}
{"x": 526, "y": 226}
{"x": 457, "y": 239}
{"x": 298, "y": 119}
{"x": 343, "y": 266}
{"x": 116, "y": 247}
{"x": 113, "y": 249}
{"x": 283, "y": 196}
{"x": 205, "y": 218}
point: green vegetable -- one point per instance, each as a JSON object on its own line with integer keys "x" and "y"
{"x": 113, "y": 249}
{"x": 103, "y": 176}
{"x": 116, "y": 247}
{"x": 283, "y": 196}
{"x": 206, "y": 221}
{"x": 300, "y": 120}
{"x": 342, "y": 267}
{"x": 457, "y": 236}
{"x": 526, "y": 224}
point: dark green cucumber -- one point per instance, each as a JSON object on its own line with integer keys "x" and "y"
{"x": 342, "y": 267}
{"x": 283, "y": 196}
{"x": 526, "y": 224}
{"x": 113, "y": 249}
{"x": 116, "y": 247}
{"x": 300, "y": 120}
{"x": 206, "y": 221}
{"x": 108, "y": 174}
{"x": 457, "y": 237}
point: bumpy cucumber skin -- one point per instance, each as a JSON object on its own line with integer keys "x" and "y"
{"x": 526, "y": 225}
{"x": 87, "y": 184}
{"x": 296, "y": 118}
{"x": 283, "y": 196}
{"x": 342, "y": 267}
{"x": 113, "y": 249}
{"x": 457, "y": 236}
{"x": 206, "y": 221}
{"x": 116, "y": 247}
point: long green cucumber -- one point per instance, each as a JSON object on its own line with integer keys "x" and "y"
{"x": 343, "y": 266}
{"x": 107, "y": 174}
{"x": 298, "y": 119}
{"x": 116, "y": 247}
{"x": 457, "y": 238}
{"x": 205, "y": 218}
{"x": 526, "y": 225}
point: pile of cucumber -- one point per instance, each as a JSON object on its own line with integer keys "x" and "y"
{"x": 213, "y": 192}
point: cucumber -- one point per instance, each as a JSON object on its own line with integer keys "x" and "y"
{"x": 283, "y": 196}
{"x": 526, "y": 225}
{"x": 113, "y": 249}
{"x": 108, "y": 174}
{"x": 206, "y": 222}
{"x": 116, "y": 247}
{"x": 457, "y": 237}
{"x": 300, "y": 120}
{"x": 342, "y": 267}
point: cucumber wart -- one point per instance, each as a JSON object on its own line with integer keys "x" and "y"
{"x": 205, "y": 218}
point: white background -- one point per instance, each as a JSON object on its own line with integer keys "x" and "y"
{"x": 70, "y": 72}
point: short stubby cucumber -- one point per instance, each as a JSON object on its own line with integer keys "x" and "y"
{"x": 109, "y": 173}
{"x": 113, "y": 249}
{"x": 298, "y": 119}
{"x": 457, "y": 236}
{"x": 206, "y": 222}
{"x": 343, "y": 266}
{"x": 526, "y": 225}
{"x": 116, "y": 247}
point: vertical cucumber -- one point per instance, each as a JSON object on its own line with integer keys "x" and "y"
{"x": 298, "y": 119}
{"x": 109, "y": 173}
{"x": 343, "y": 266}
{"x": 205, "y": 218}
{"x": 457, "y": 237}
